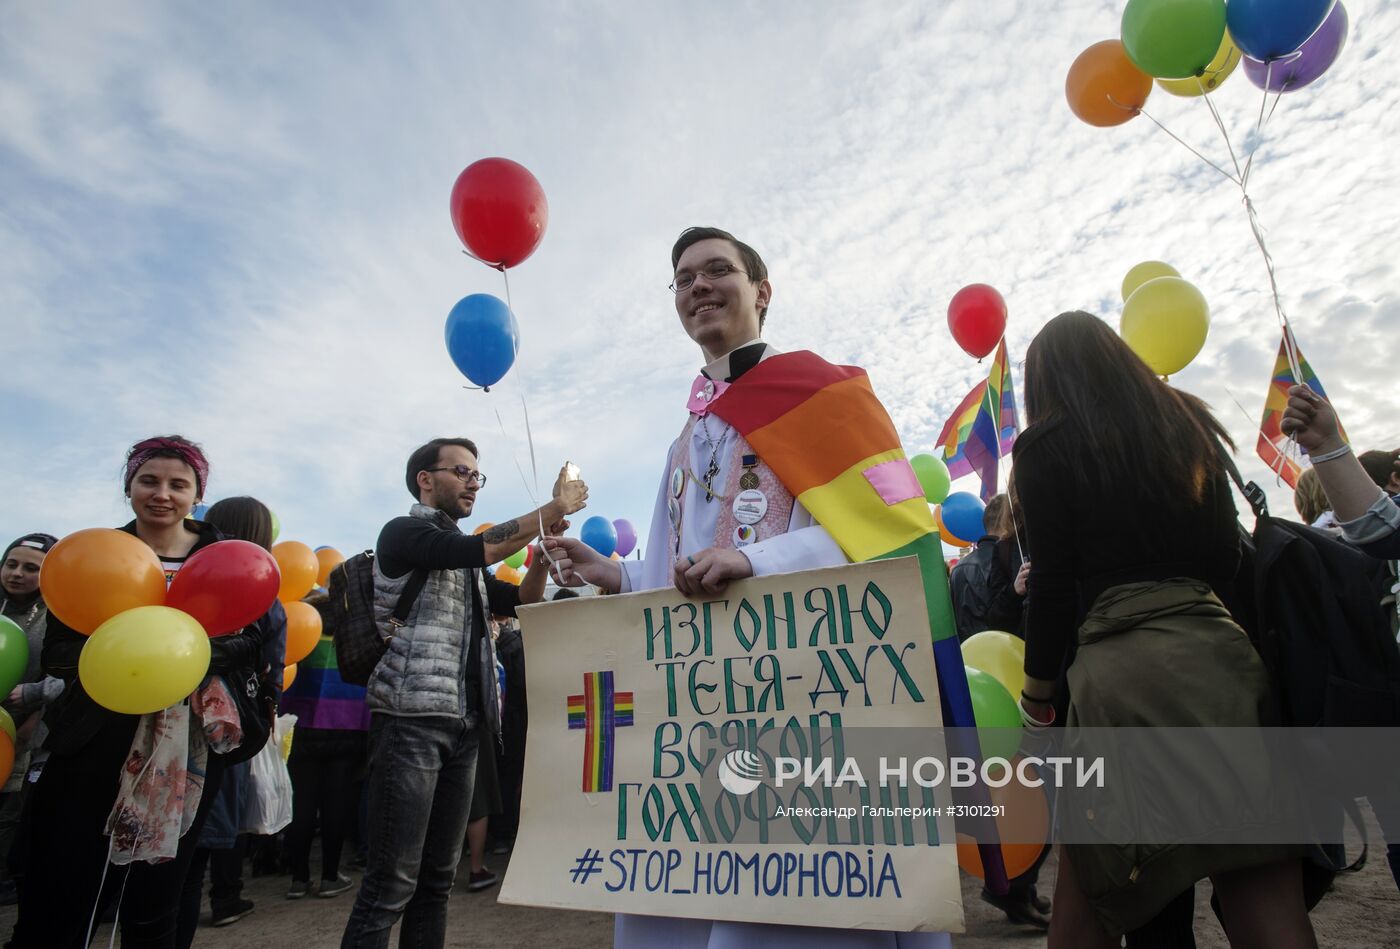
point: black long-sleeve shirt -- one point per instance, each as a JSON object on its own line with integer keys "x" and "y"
{"x": 1083, "y": 540}
{"x": 411, "y": 543}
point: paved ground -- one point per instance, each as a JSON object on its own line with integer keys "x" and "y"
{"x": 1363, "y": 911}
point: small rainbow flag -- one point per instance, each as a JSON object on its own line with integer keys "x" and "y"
{"x": 969, "y": 437}
{"x": 1274, "y": 446}
{"x": 599, "y": 711}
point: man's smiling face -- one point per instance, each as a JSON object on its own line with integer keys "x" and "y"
{"x": 720, "y": 313}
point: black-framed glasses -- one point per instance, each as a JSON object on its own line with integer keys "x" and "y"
{"x": 714, "y": 270}
{"x": 468, "y": 475}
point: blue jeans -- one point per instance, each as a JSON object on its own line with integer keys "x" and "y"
{"x": 420, "y": 790}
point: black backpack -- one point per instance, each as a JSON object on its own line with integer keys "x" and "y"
{"x": 1309, "y": 604}
{"x": 350, "y": 616}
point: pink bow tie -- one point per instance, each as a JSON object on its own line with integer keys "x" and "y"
{"x": 703, "y": 393}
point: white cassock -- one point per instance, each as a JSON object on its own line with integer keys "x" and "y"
{"x": 806, "y": 546}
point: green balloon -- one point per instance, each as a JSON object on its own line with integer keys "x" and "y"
{"x": 1173, "y": 39}
{"x": 517, "y": 559}
{"x": 14, "y": 655}
{"x": 933, "y": 477}
{"x": 276, "y": 525}
{"x": 998, "y": 719}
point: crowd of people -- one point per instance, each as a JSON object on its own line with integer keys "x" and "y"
{"x": 1126, "y": 620}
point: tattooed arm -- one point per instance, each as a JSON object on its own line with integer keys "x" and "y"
{"x": 507, "y": 537}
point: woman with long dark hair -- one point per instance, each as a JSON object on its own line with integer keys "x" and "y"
{"x": 1135, "y": 545}
{"x": 219, "y": 847}
{"x": 83, "y": 787}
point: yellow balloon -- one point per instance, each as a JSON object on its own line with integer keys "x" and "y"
{"x": 7, "y": 724}
{"x": 1000, "y": 655}
{"x": 144, "y": 659}
{"x": 1165, "y": 322}
{"x": 1143, "y": 272}
{"x": 1227, "y": 57}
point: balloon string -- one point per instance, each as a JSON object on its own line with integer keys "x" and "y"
{"x": 1220, "y": 124}
{"x": 1263, "y": 118}
{"x": 1185, "y": 145}
{"x": 532, "y": 484}
{"x": 1256, "y": 228}
{"x": 1282, "y": 457}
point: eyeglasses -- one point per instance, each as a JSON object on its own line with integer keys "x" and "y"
{"x": 715, "y": 270}
{"x": 468, "y": 475}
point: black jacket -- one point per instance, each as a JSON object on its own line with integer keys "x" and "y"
{"x": 983, "y": 594}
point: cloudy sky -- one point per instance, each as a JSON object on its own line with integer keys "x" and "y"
{"x": 230, "y": 221}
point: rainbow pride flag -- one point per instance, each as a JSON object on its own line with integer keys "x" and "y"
{"x": 599, "y": 711}
{"x": 1274, "y": 446}
{"x": 826, "y": 436}
{"x": 970, "y": 436}
{"x": 319, "y": 698}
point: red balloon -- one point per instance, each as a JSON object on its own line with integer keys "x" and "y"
{"x": 529, "y": 556}
{"x": 499, "y": 211}
{"x": 977, "y": 318}
{"x": 226, "y": 586}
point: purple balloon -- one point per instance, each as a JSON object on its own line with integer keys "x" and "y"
{"x": 626, "y": 536}
{"x": 1316, "y": 56}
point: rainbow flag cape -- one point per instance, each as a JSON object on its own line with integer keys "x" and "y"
{"x": 599, "y": 711}
{"x": 985, "y": 417}
{"x": 319, "y": 698}
{"x": 1274, "y": 446}
{"x": 826, "y": 436}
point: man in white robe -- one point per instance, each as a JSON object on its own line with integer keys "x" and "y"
{"x": 700, "y": 539}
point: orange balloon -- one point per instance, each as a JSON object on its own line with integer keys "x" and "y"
{"x": 1024, "y": 829}
{"x": 483, "y": 527}
{"x": 299, "y": 568}
{"x": 303, "y": 630}
{"x": 948, "y": 536}
{"x": 509, "y": 574}
{"x": 1104, "y": 87}
{"x": 92, "y": 575}
{"x": 7, "y": 756}
{"x": 289, "y": 675}
{"x": 329, "y": 558}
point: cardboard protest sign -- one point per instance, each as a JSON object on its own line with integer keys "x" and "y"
{"x": 664, "y": 737}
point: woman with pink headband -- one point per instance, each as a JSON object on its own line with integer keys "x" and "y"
{"x": 89, "y": 818}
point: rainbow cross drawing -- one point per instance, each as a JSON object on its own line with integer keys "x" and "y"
{"x": 599, "y": 711}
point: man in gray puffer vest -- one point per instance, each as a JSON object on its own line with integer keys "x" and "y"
{"x": 434, "y": 695}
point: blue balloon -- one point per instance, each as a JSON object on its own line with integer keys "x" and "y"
{"x": 1268, "y": 29}
{"x": 199, "y": 511}
{"x": 598, "y": 533}
{"x": 482, "y": 338}
{"x": 962, "y": 513}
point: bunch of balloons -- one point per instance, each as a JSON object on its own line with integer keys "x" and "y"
{"x": 500, "y": 213}
{"x": 1165, "y": 318}
{"x": 1191, "y": 46}
{"x": 148, "y": 648}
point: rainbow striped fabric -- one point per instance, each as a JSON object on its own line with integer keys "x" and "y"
{"x": 1273, "y": 445}
{"x": 599, "y": 711}
{"x": 319, "y": 698}
{"x": 826, "y": 436}
{"x": 969, "y": 437}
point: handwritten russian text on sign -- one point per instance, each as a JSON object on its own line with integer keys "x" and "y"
{"x": 710, "y": 736}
